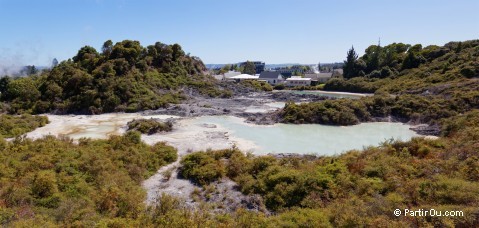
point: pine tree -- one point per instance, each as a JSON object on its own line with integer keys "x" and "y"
{"x": 349, "y": 69}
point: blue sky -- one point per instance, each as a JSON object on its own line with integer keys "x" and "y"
{"x": 222, "y": 31}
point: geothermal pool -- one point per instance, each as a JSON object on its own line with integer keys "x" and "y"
{"x": 308, "y": 138}
{"x": 218, "y": 132}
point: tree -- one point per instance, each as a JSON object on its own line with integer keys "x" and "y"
{"x": 23, "y": 88}
{"x": 4, "y": 84}
{"x": 412, "y": 60}
{"x": 54, "y": 62}
{"x": 130, "y": 50}
{"x": 30, "y": 70}
{"x": 349, "y": 69}
{"x": 177, "y": 52}
{"x": 85, "y": 53}
{"x": 225, "y": 69}
{"x": 249, "y": 68}
{"x": 107, "y": 47}
{"x": 372, "y": 57}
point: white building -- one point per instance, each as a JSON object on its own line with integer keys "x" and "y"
{"x": 226, "y": 76}
{"x": 298, "y": 81}
{"x": 242, "y": 77}
{"x": 230, "y": 74}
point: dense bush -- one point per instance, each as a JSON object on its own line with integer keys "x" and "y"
{"x": 279, "y": 87}
{"x": 205, "y": 167}
{"x": 316, "y": 87}
{"x": 407, "y": 107}
{"x": 257, "y": 85}
{"x": 149, "y": 126}
{"x": 58, "y": 182}
{"x": 340, "y": 112}
{"x": 357, "y": 85}
{"x": 400, "y": 68}
{"x": 12, "y": 126}
{"x": 124, "y": 77}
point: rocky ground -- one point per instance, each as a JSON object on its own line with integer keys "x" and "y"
{"x": 238, "y": 106}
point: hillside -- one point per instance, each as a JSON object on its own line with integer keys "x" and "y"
{"x": 411, "y": 83}
{"x": 122, "y": 77}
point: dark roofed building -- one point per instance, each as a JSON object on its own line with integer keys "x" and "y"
{"x": 272, "y": 77}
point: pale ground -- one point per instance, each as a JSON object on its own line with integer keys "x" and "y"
{"x": 187, "y": 136}
{"x": 92, "y": 126}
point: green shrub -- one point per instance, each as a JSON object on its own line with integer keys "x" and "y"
{"x": 12, "y": 126}
{"x": 149, "y": 126}
{"x": 201, "y": 168}
{"x": 257, "y": 85}
{"x": 279, "y": 87}
{"x": 66, "y": 183}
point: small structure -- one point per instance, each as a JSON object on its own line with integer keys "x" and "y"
{"x": 298, "y": 81}
{"x": 219, "y": 77}
{"x": 226, "y": 76}
{"x": 319, "y": 78}
{"x": 272, "y": 77}
{"x": 337, "y": 73}
{"x": 230, "y": 74}
{"x": 242, "y": 77}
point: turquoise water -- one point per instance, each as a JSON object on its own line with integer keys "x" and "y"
{"x": 310, "y": 138}
{"x": 327, "y": 94}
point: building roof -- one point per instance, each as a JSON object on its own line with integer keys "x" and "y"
{"x": 338, "y": 70}
{"x": 244, "y": 76}
{"x": 318, "y": 76}
{"x": 230, "y": 74}
{"x": 218, "y": 77}
{"x": 270, "y": 75}
{"x": 298, "y": 78}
